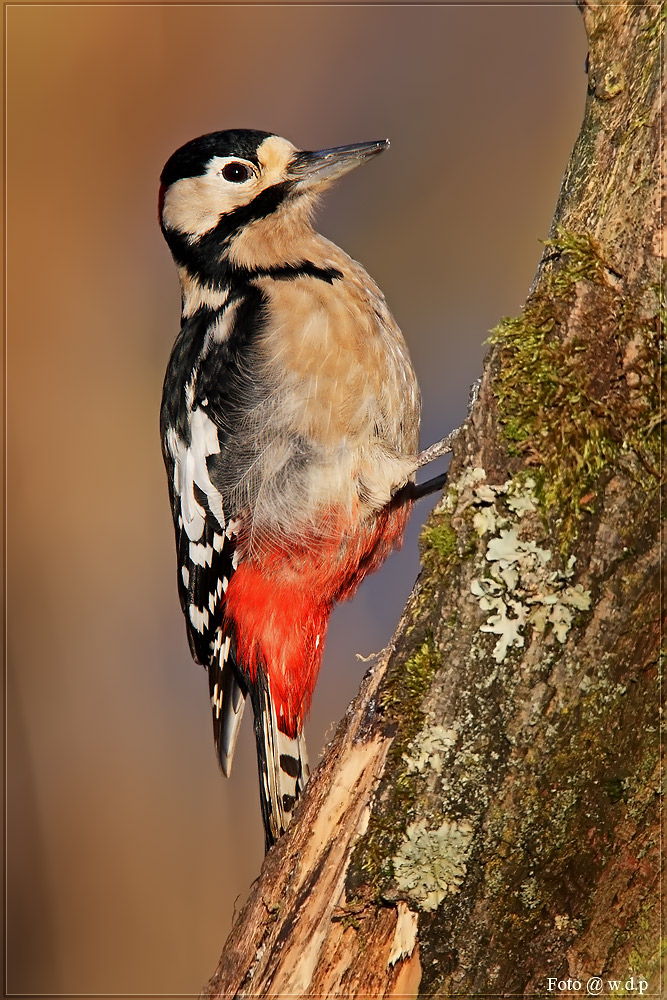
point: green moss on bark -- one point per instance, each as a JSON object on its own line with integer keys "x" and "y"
{"x": 438, "y": 543}
{"x": 558, "y": 408}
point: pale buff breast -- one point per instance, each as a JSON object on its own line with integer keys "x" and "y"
{"x": 342, "y": 363}
{"x": 340, "y": 379}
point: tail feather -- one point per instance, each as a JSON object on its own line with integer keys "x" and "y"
{"x": 228, "y": 695}
{"x": 282, "y": 762}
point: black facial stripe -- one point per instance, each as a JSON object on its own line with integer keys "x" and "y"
{"x": 203, "y": 257}
{"x": 266, "y": 203}
{"x": 305, "y": 268}
{"x": 194, "y": 257}
{"x": 226, "y": 274}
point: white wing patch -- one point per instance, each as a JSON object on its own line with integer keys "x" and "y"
{"x": 198, "y": 618}
{"x": 190, "y": 470}
{"x": 204, "y": 548}
{"x": 201, "y": 555}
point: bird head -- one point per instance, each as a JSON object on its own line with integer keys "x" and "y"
{"x": 232, "y": 194}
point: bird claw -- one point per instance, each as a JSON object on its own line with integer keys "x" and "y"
{"x": 437, "y": 450}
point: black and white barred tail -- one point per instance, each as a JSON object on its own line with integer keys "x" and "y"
{"x": 282, "y": 762}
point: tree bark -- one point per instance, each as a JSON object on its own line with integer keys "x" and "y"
{"x": 487, "y": 815}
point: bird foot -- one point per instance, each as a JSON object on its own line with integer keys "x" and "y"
{"x": 437, "y": 450}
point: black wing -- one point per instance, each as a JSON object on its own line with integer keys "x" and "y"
{"x": 197, "y": 424}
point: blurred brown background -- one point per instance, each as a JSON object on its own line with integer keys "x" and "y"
{"x": 126, "y": 849}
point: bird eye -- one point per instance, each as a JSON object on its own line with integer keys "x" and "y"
{"x": 237, "y": 173}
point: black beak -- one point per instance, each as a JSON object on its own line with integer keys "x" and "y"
{"x": 319, "y": 169}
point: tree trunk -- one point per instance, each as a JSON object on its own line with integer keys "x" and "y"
{"x": 486, "y": 817}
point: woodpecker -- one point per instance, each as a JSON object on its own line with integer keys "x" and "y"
{"x": 289, "y": 424}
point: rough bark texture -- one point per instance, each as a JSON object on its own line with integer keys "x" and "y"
{"x": 487, "y": 815}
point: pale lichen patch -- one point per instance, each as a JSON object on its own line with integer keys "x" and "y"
{"x": 517, "y": 589}
{"x": 507, "y": 621}
{"x": 530, "y": 893}
{"x": 428, "y": 749}
{"x": 431, "y": 864}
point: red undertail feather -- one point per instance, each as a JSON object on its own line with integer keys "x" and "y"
{"x": 279, "y": 608}
{"x": 280, "y": 628}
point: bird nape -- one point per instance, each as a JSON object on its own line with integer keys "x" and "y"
{"x": 289, "y": 423}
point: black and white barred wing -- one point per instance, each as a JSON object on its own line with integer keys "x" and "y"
{"x": 206, "y": 547}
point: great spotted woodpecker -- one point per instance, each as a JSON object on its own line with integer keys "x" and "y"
{"x": 289, "y": 422}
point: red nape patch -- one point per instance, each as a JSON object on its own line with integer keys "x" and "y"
{"x": 160, "y": 202}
